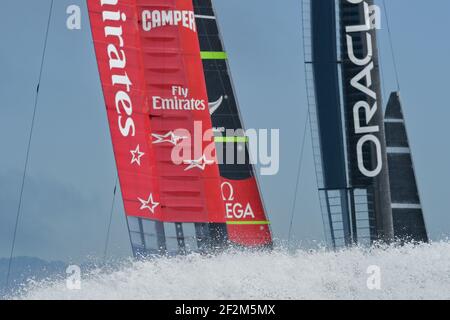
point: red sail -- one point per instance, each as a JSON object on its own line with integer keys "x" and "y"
{"x": 153, "y": 81}
{"x": 152, "y": 78}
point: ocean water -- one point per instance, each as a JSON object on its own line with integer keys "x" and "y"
{"x": 409, "y": 272}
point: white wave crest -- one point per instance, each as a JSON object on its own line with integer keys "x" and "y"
{"x": 409, "y": 272}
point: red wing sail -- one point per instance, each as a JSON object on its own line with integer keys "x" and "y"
{"x": 152, "y": 78}
{"x": 154, "y": 87}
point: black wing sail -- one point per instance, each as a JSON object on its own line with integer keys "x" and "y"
{"x": 344, "y": 96}
{"x": 409, "y": 223}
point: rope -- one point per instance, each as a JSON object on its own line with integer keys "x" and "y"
{"x": 391, "y": 43}
{"x": 110, "y": 218}
{"x": 29, "y": 147}
{"x": 297, "y": 184}
{"x": 383, "y": 82}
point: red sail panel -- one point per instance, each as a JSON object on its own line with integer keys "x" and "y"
{"x": 247, "y": 223}
{"x": 152, "y": 78}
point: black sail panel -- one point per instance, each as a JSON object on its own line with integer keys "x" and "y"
{"x": 220, "y": 91}
{"x": 326, "y": 80}
{"x": 235, "y": 165}
{"x": 409, "y": 224}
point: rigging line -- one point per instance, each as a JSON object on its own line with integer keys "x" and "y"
{"x": 30, "y": 137}
{"x": 297, "y": 184}
{"x": 391, "y": 43}
{"x": 110, "y": 218}
{"x": 383, "y": 82}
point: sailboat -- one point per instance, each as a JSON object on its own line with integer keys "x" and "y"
{"x": 174, "y": 125}
{"x": 165, "y": 80}
{"x": 366, "y": 180}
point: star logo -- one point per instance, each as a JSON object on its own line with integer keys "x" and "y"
{"x": 149, "y": 204}
{"x": 169, "y": 137}
{"x": 137, "y": 155}
{"x": 200, "y": 163}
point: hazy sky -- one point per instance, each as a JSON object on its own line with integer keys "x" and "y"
{"x": 69, "y": 187}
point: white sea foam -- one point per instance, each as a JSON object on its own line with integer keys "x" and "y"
{"x": 410, "y": 272}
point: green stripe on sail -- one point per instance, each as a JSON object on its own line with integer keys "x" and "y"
{"x": 248, "y": 222}
{"x": 231, "y": 139}
{"x": 214, "y": 55}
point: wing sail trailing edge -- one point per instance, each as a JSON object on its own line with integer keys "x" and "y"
{"x": 247, "y": 223}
